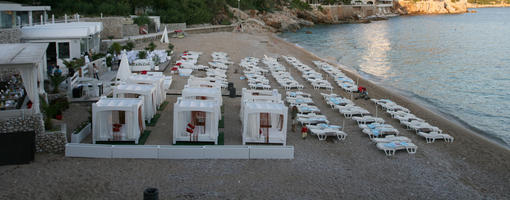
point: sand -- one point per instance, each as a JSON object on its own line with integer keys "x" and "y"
{"x": 470, "y": 168}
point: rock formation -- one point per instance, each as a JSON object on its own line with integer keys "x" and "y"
{"x": 431, "y": 7}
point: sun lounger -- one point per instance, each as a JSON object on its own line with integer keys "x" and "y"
{"x": 368, "y": 120}
{"x": 391, "y": 138}
{"x": 431, "y": 137}
{"x": 390, "y": 148}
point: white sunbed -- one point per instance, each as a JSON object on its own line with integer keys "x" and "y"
{"x": 312, "y": 118}
{"x": 391, "y": 138}
{"x": 390, "y": 148}
{"x": 431, "y": 137}
{"x": 368, "y": 119}
{"x": 297, "y": 94}
{"x": 323, "y": 133}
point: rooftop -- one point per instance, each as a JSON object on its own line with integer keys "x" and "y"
{"x": 10, "y": 6}
{"x": 22, "y": 53}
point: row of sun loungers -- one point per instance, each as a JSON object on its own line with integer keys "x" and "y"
{"x": 309, "y": 74}
{"x": 255, "y": 74}
{"x": 189, "y": 60}
{"x": 217, "y": 72}
{"x": 309, "y": 115}
{"x": 410, "y": 121}
{"x": 384, "y": 135}
{"x": 345, "y": 106}
{"x": 279, "y": 72}
{"x": 340, "y": 78}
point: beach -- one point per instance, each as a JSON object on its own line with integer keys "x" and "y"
{"x": 472, "y": 167}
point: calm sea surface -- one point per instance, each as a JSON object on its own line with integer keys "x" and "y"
{"x": 457, "y": 64}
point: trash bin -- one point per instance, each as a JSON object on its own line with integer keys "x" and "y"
{"x": 232, "y": 91}
{"x": 151, "y": 194}
{"x": 77, "y": 91}
{"x": 100, "y": 86}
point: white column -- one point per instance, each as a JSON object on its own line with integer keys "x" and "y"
{"x": 30, "y": 20}
{"x": 41, "y": 20}
{"x": 52, "y": 19}
{"x": 65, "y": 18}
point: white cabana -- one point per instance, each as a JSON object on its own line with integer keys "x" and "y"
{"x": 196, "y": 120}
{"x": 271, "y": 96}
{"x": 168, "y": 79}
{"x": 30, "y": 61}
{"x": 203, "y": 94}
{"x": 124, "y": 71}
{"x": 193, "y": 83}
{"x": 136, "y": 90}
{"x": 164, "y": 37}
{"x": 157, "y": 81}
{"x": 117, "y": 119}
{"x": 264, "y": 122}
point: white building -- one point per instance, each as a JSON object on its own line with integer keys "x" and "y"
{"x": 15, "y": 15}
{"x": 66, "y": 40}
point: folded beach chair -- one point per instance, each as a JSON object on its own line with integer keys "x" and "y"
{"x": 431, "y": 137}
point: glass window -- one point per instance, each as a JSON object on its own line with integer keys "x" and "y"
{"x": 7, "y": 19}
{"x": 63, "y": 50}
{"x": 83, "y": 46}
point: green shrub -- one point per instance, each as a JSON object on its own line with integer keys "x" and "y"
{"x": 142, "y": 20}
{"x": 156, "y": 59}
{"x": 142, "y": 54}
{"x": 170, "y": 46}
{"x": 109, "y": 61}
{"x": 150, "y": 47}
{"x": 115, "y": 48}
{"x": 97, "y": 56}
{"x": 298, "y": 4}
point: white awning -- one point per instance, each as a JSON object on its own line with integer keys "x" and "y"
{"x": 61, "y": 30}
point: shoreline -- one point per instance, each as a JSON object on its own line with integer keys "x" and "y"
{"x": 472, "y": 5}
{"x": 401, "y": 97}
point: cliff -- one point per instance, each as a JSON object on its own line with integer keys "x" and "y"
{"x": 431, "y": 7}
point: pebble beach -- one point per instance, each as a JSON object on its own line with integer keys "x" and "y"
{"x": 472, "y": 167}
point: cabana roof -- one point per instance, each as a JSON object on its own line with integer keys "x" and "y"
{"x": 61, "y": 30}
{"x": 145, "y": 78}
{"x": 106, "y": 104}
{"x": 196, "y": 105}
{"x": 265, "y": 107}
{"x": 22, "y": 53}
{"x": 201, "y": 92}
{"x": 138, "y": 88}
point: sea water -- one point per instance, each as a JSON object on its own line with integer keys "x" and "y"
{"x": 457, "y": 64}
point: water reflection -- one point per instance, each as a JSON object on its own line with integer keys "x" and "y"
{"x": 375, "y": 59}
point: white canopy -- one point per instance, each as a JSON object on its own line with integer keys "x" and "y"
{"x": 210, "y": 93}
{"x": 202, "y": 114}
{"x": 125, "y": 113}
{"x": 264, "y": 122}
{"x": 147, "y": 91}
{"x": 164, "y": 37}
{"x": 61, "y": 30}
{"x": 157, "y": 81}
{"x": 124, "y": 72}
{"x": 30, "y": 60}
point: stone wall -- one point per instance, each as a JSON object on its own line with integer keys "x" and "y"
{"x": 11, "y": 35}
{"x": 112, "y": 26}
{"x": 52, "y": 142}
{"x": 130, "y": 30}
{"x": 174, "y": 26}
